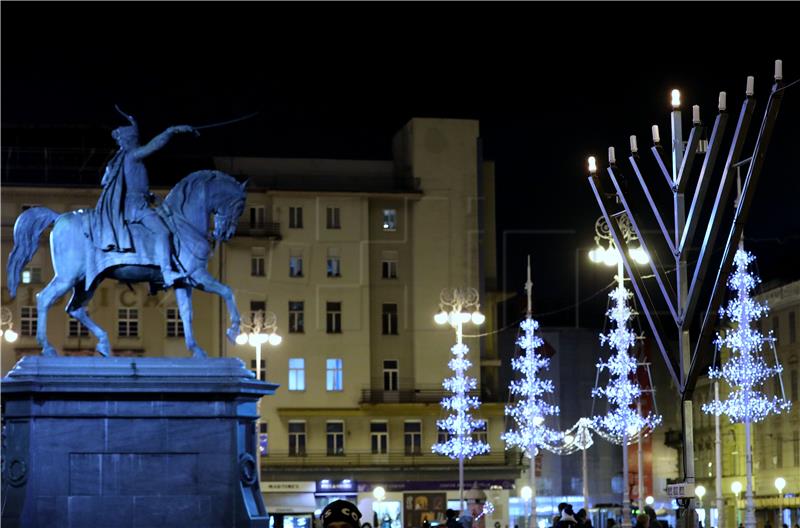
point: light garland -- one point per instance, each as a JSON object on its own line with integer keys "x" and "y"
{"x": 745, "y": 371}
{"x": 623, "y": 420}
{"x": 460, "y": 425}
{"x": 530, "y": 410}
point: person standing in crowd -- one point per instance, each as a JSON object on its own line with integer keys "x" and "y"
{"x": 341, "y": 514}
{"x": 642, "y": 521}
{"x": 583, "y": 519}
{"x": 567, "y": 518}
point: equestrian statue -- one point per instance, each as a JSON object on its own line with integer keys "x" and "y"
{"x": 130, "y": 238}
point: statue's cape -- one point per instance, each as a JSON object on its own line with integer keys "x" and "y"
{"x": 108, "y": 230}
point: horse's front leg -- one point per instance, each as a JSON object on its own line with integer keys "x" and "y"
{"x": 208, "y": 283}
{"x": 44, "y": 300}
{"x": 184, "y": 297}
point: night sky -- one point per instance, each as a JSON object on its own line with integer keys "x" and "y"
{"x": 550, "y": 85}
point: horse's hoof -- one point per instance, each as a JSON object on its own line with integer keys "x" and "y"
{"x": 103, "y": 350}
{"x": 199, "y": 353}
{"x": 49, "y": 351}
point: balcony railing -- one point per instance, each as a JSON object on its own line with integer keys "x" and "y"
{"x": 392, "y": 458}
{"x": 407, "y": 396}
{"x": 270, "y": 230}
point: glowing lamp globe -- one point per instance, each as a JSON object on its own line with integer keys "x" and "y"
{"x": 379, "y": 493}
{"x": 780, "y": 483}
{"x": 610, "y": 257}
{"x": 592, "y": 165}
{"x": 241, "y": 339}
{"x": 465, "y": 317}
{"x": 275, "y": 339}
{"x": 596, "y": 255}
{"x": 11, "y": 335}
{"x": 478, "y": 318}
{"x": 649, "y": 500}
{"x": 640, "y": 256}
{"x": 526, "y": 493}
{"x": 440, "y": 318}
{"x": 736, "y": 487}
{"x": 700, "y": 491}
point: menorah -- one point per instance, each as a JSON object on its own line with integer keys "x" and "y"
{"x": 686, "y": 341}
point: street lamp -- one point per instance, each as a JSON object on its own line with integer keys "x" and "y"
{"x": 700, "y": 491}
{"x": 780, "y": 483}
{"x": 260, "y": 328}
{"x": 736, "y": 488}
{"x": 458, "y": 306}
{"x": 7, "y": 325}
{"x": 525, "y": 494}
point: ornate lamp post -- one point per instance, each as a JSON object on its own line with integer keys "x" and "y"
{"x": 736, "y": 488}
{"x": 455, "y": 305}
{"x": 780, "y": 483}
{"x": 7, "y": 325}
{"x": 260, "y": 328}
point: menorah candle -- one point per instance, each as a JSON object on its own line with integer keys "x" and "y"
{"x": 656, "y": 137}
{"x": 750, "y": 82}
{"x": 723, "y": 103}
{"x": 696, "y": 114}
{"x": 778, "y": 70}
{"x": 612, "y": 158}
{"x": 634, "y": 147}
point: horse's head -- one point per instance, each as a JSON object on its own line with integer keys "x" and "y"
{"x": 228, "y": 207}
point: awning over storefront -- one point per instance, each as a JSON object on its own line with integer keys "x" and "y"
{"x": 772, "y": 502}
{"x": 277, "y": 502}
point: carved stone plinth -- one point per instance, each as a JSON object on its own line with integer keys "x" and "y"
{"x": 131, "y": 443}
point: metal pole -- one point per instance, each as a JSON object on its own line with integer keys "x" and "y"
{"x": 258, "y": 408}
{"x": 532, "y": 480}
{"x": 718, "y": 461}
{"x": 684, "y": 342}
{"x": 459, "y": 332}
{"x": 640, "y": 460}
{"x": 577, "y": 290}
{"x": 749, "y": 508}
{"x": 626, "y": 495}
{"x": 585, "y": 481}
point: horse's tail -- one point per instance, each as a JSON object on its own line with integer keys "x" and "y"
{"x": 27, "y": 230}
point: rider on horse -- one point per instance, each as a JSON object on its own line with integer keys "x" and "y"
{"x": 126, "y": 198}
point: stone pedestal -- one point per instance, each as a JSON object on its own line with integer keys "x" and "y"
{"x": 131, "y": 443}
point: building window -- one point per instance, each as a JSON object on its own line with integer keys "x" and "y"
{"x": 389, "y": 319}
{"x": 28, "y": 320}
{"x": 379, "y": 437}
{"x": 776, "y": 326}
{"x": 792, "y": 328}
{"x": 333, "y": 377}
{"x": 334, "y": 264}
{"x": 262, "y": 372}
{"x": 128, "y": 322}
{"x": 333, "y": 218}
{"x": 257, "y": 260}
{"x": 333, "y": 317}
{"x": 412, "y": 437}
{"x": 76, "y": 329}
{"x": 255, "y": 307}
{"x": 297, "y": 374}
{"x": 442, "y": 435}
{"x": 263, "y": 439}
{"x": 258, "y": 216}
{"x": 296, "y": 318}
{"x": 390, "y": 219}
{"x": 297, "y": 438}
{"x": 296, "y": 266}
{"x": 389, "y": 265}
{"x": 480, "y": 433}
{"x": 32, "y": 276}
{"x": 390, "y": 374}
{"x": 335, "y": 438}
{"x": 174, "y": 323}
{"x": 296, "y": 217}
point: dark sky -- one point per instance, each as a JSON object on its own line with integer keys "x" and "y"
{"x": 550, "y": 84}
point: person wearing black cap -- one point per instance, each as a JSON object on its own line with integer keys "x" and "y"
{"x": 341, "y": 514}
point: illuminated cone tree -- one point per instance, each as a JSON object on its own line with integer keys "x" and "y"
{"x": 745, "y": 370}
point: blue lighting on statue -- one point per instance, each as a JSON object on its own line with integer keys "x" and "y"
{"x": 622, "y": 420}
{"x": 746, "y": 370}
{"x": 460, "y": 424}
{"x": 530, "y": 410}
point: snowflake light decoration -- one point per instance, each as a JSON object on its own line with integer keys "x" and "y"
{"x": 460, "y": 424}
{"x": 746, "y": 370}
{"x": 623, "y": 419}
{"x": 530, "y": 410}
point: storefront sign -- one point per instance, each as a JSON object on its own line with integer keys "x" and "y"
{"x": 336, "y": 486}
{"x": 438, "y": 485}
{"x": 288, "y": 486}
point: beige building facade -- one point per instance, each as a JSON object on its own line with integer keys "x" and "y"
{"x": 351, "y": 257}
